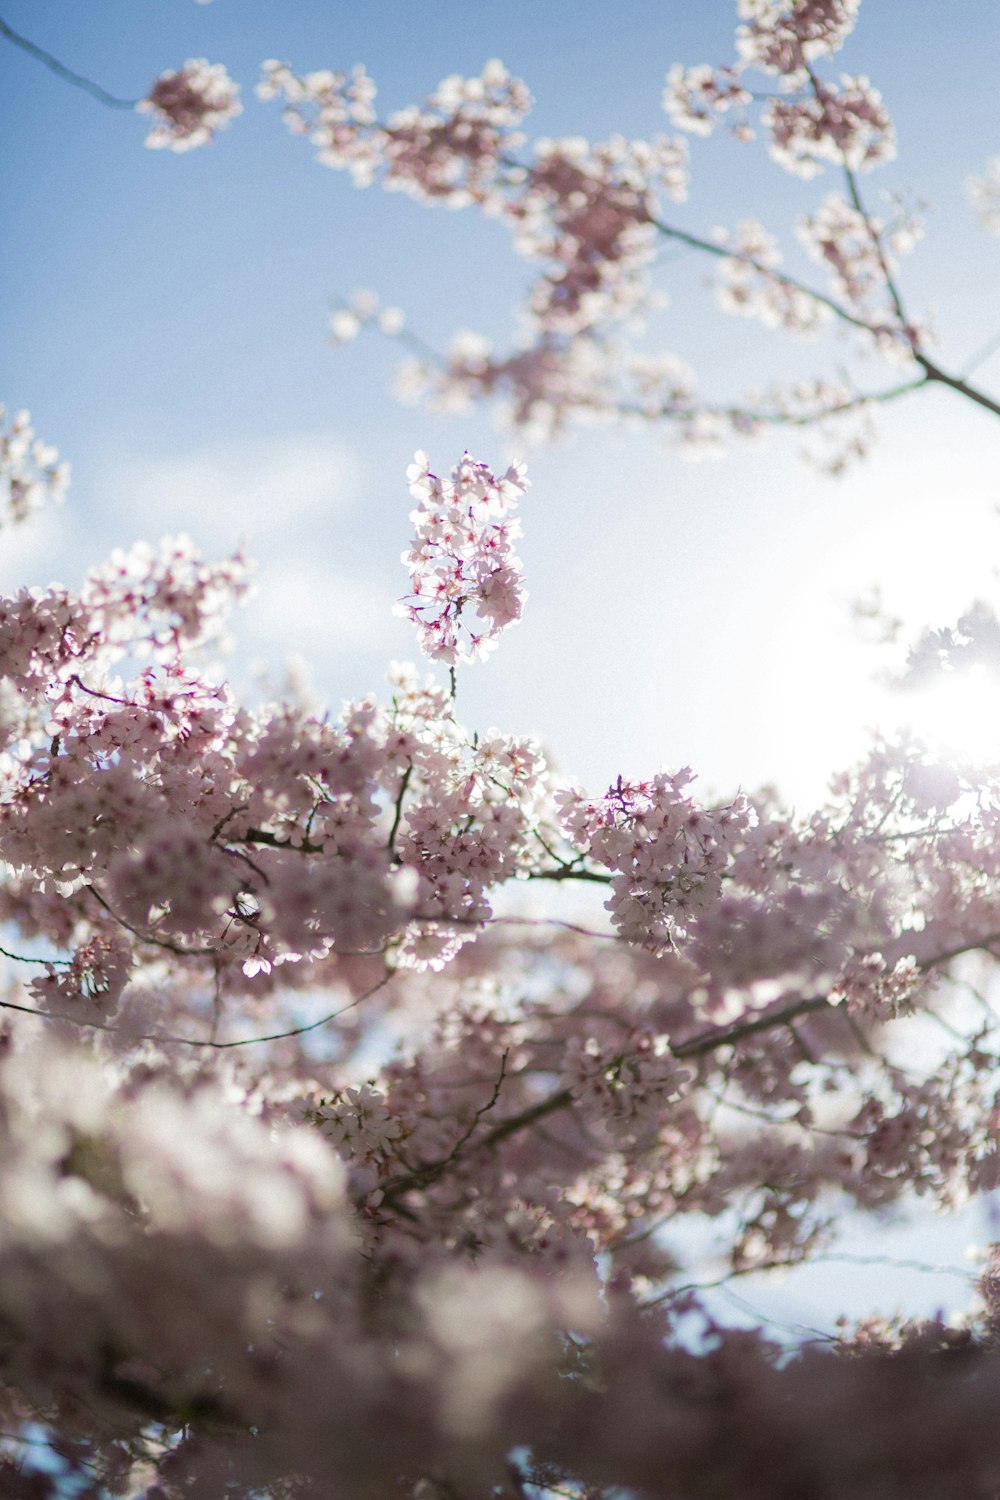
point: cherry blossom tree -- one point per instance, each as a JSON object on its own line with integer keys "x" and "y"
{"x": 331, "y": 1167}
{"x": 594, "y": 219}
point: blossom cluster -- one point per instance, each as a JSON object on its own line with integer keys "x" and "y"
{"x": 785, "y": 36}
{"x": 668, "y": 854}
{"x": 628, "y": 1095}
{"x": 591, "y": 218}
{"x": 190, "y": 105}
{"x": 846, "y": 242}
{"x": 590, "y": 210}
{"x": 586, "y": 210}
{"x": 29, "y": 469}
{"x": 692, "y": 96}
{"x": 748, "y": 287}
{"x": 364, "y": 308}
{"x": 844, "y": 123}
{"x": 302, "y": 1122}
{"x": 449, "y": 151}
{"x": 815, "y": 120}
{"x": 462, "y": 557}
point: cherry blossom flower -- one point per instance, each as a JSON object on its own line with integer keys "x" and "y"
{"x": 984, "y": 195}
{"x": 257, "y": 1254}
{"x": 462, "y": 557}
{"x": 592, "y": 220}
{"x": 190, "y": 105}
{"x": 29, "y": 469}
{"x": 845, "y": 123}
{"x": 783, "y": 38}
{"x": 694, "y": 97}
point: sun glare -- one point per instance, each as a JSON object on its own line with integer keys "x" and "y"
{"x": 958, "y": 717}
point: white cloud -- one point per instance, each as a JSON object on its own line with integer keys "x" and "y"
{"x": 302, "y": 606}
{"x": 250, "y": 492}
{"x": 37, "y": 551}
{"x": 276, "y": 497}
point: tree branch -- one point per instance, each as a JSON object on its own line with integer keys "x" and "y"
{"x": 722, "y": 252}
{"x": 61, "y": 70}
{"x": 972, "y": 393}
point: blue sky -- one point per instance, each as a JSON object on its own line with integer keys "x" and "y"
{"x": 164, "y": 318}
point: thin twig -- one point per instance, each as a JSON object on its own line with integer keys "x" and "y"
{"x": 724, "y": 1036}
{"x": 566, "y": 872}
{"x": 722, "y": 252}
{"x": 61, "y": 70}
{"x": 776, "y": 417}
{"x": 428, "y": 1173}
{"x": 956, "y": 383}
{"x": 399, "y": 809}
{"x": 21, "y": 958}
{"x": 190, "y": 1041}
{"x": 147, "y": 937}
{"x": 835, "y": 1256}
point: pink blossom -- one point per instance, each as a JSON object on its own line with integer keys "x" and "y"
{"x": 189, "y": 105}
{"x": 694, "y": 97}
{"x": 984, "y": 194}
{"x": 462, "y": 557}
{"x": 29, "y": 469}
{"x": 846, "y": 123}
{"x": 782, "y": 38}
